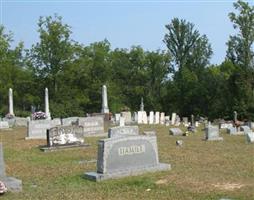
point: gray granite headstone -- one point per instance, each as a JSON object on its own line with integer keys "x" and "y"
{"x": 69, "y": 121}
{"x": 127, "y": 117}
{"x": 232, "y": 130}
{"x": 245, "y": 129}
{"x": 250, "y": 137}
{"x": 4, "y": 125}
{"x": 126, "y": 156}
{"x": 21, "y": 121}
{"x": 212, "y": 133}
{"x": 37, "y": 129}
{"x": 123, "y": 131}
{"x": 12, "y": 184}
{"x": 175, "y": 131}
{"x": 93, "y": 126}
{"x": 10, "y": 121}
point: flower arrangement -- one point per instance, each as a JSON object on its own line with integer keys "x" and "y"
{"x": 38, "y": 115}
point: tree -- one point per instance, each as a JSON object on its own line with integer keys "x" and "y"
{"x": 54, "y": 51}
{"x": 240, "y": 46}
{"x": 186, "y": 46}
{"x": 190, "y": 53}
{"x": 240, "y": 52}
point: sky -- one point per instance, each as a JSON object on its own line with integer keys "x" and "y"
{"x": 123, "y": 23}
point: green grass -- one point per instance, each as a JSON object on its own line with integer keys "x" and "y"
{"x": 200, "y": 170}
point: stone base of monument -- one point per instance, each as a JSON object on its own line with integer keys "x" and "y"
{"x": 214, "y": 139}
{"x": 94, "y": 176}
{"x": 12, "y": 184}
{"x": 62, "y": 147}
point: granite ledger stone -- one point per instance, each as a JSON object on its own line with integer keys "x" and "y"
{"x": 126, "y": 156}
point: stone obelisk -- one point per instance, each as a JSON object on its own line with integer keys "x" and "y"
{"x": 11, "y": 112}
{"x": 47, "y": 113}
{"x": 104, "y": 108}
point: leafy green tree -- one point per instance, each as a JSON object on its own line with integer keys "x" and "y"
{"x": 190, "y": 53}
{"x": 54, "y": 51}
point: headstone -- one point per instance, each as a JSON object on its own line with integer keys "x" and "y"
{"x": 4, "y": 125}
{"x": 126, "y": 156}
{"x": 122, "y": 121}
{"x": 175, "y": 131}
{"x": 162, "y": 118}
{"x": 93, "y": 126}
{"x": 127, "y": 117}
{"x": 21, "y": 121}
{"x": 167, "y": 120}
{"x": 65, "y": 135}
{"x": 225, "y": 125}
{"x": 37, "y": 129}
{"x": 196, "y": 124}
{"x": 173, "y": 118}
{"x": 151, "y": 117}
{"x": 142, "y": 117}
{"x": 232, "y": 130}
{"x": 157, "y": 117}
{"x": 135, "y": 117}
{"x": 212, "y": 133}
{"x": 245, "y": 129}
{"x": 250, "y": 137}
{"x": 185, "y": 120}
{"x": 145, "y": 120}
{"x": 177, "y": 120}
{"x": 123, "y": 131}
{"x": 117, "y": 117}
{"x": 69, "y": 121}
{"x": 47, "y": 113}
{"x": 104, "y": 108}
{"x": 12, "y": 184}
{"x": 11, "y": 112}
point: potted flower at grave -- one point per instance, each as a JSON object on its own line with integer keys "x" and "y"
{"x": 38, "y": 115}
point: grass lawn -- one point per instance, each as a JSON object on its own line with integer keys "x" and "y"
{"x": 200, "y": 170}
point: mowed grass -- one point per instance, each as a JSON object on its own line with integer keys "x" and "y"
{"x": 200, "y": 170}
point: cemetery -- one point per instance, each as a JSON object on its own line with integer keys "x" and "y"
{"x": 144, "y": 117}
{"x": 148, "y": 153}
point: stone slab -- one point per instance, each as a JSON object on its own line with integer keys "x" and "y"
{"x": 93, "y": 126}
{"x": 127, "y": 117}
{"x": 95, "y": 176}
{"x": 69, "y": 121}
{"x": 123, "y": 131}
{"x": 125, "y": 156}
{"x": 250, "y": 137}
{"x": 212, "y": 133}
{"x": 62, "y": 147}
{"x": 4, "y": 125}
{"x": 21, "y": 121}
{"x": 175, "y": 131}
{"x": 245, "y": 129}
{"x": 37, "y": 129}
